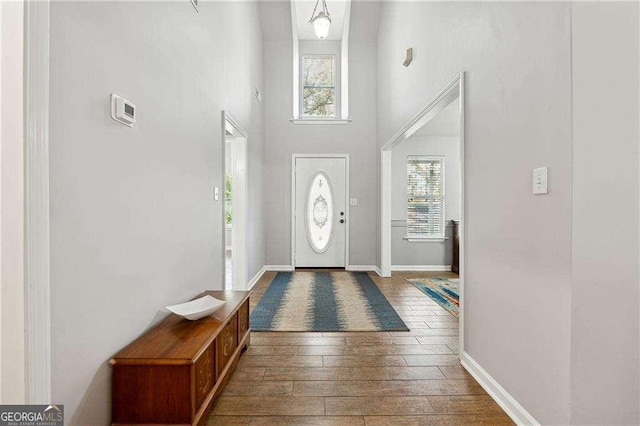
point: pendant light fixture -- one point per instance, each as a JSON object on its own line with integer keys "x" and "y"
{"x": 321, "y": 22}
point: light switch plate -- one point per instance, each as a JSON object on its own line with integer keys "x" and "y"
{"x": 540, "y": 176}
{"x": 353, "y": 201}
{"x": 216, "y": 193}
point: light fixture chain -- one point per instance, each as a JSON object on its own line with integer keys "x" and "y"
{"x": 314, "y": 10}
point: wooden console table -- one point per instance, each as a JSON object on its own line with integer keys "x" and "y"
{"x": 172, "y": 373}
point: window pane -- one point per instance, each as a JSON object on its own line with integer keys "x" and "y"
{"x": 425, "y": 197}
{"x": 228, "y": 203}
{"x": 318, "y": 102}
{"x": 317, "y": 71}
{"x": 318, "y": 86}
{"x": 320, "y": 213}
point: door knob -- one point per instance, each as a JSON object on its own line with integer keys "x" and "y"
{"x": 341, "y": 220}
{"x": 341, "y": 213}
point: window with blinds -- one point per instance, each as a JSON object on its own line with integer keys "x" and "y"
{"x": 318, "y": 85}
{"x": 425, "y": 197}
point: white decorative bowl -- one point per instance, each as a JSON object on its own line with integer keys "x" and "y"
{"x": 198, "y": 308}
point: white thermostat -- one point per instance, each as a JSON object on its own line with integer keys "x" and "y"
{"x": 122, "y": 110}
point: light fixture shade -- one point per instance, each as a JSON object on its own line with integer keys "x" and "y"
{"x": 321, "y": 25}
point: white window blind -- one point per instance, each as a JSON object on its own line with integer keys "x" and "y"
{"x": 318, "y": 85}
{"x": 425, "y": 197}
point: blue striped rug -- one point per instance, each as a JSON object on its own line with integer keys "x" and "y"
{"x": 324, "y": 301}
{"x": 442, "y": 290}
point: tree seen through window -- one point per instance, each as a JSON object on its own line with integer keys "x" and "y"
{"x": 319, "y": 86}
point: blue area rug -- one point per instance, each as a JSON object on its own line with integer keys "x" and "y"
{"x": 324, "y": 301}
{"x": 443, "y": 291}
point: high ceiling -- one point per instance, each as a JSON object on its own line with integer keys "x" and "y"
{"x": 276, "y": 19}
{"x": 304, "y": 9}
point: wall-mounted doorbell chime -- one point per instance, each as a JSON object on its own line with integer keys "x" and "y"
{"x": 122, "y": 110}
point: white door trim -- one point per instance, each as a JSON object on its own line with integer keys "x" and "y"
{"x": 452, "y": 92}
{"x": 294, "y": 157}
{"x": 344, "y": 63}
{"x": 240, "y": 181}
{"x": 296, "y": 62}
{"x": 37, "y": 248}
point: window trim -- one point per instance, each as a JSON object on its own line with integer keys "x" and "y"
{"x": 343, "y": 54}
{"x": 327, "y": 120}
{"x": 412, "y": 238}
{"x": 336, "y": 92}
{"x": 425, "y": 239}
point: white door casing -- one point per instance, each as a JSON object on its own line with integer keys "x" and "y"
{"x": 36, "y": 160}
{"x": 453, "y": 92}
{"x": 239, "y": 263}
{"x": 239, "y": 173}
{"x": 320, "y": 216}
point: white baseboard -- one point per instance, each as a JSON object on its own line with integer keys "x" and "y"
{"x": 421, "y": 268}
{"x": 366, "y": 268}
{"x": 378, "y": 271}
{"x": 279, "y": 268}
{"x": 348, "y": 268}
{"x": 256, "y": 278}
{"x": 508, "y": 403}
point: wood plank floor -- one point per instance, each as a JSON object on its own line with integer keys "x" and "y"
{"x": 379, "y": 378}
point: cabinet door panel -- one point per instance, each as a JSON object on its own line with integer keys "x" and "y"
{"x": 204, "y": 375}
{"x": 243, "y": 320}
{"x": 151, "y": 394}
{"x": 226, "y": 344}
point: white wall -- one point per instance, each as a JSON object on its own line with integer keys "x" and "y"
{"x": 430, "y": 253}
{"x": 518, "y": 116}
{"x": 12, "y": 332}
{"x": 604, "y": 318}
{"x": 558, "y": 273}
{"x": 356, "y": 139}
{"x": 133, "y": 223}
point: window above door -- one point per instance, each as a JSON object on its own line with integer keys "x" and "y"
{"x": 319, "y": 97}
{"x": 320, "y": 82}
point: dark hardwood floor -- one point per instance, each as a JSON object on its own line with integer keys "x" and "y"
{"x": 381, "y": 378}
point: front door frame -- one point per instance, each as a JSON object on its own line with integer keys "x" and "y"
{"x": 294, "y": 157}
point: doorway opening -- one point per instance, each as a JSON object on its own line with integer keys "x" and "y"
{"x": 234, "y": 202}
{"x": 320, "y": 211}
{"x": 422, "y": 184}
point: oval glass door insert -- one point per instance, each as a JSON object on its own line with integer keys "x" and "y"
{"x": 320, "y": 212}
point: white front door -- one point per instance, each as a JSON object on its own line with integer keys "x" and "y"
{"x": 320, "y": 212}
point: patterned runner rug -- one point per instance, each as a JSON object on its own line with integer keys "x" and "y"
{"x": 443, "y": 291}
{"x": 324, "y": 301}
